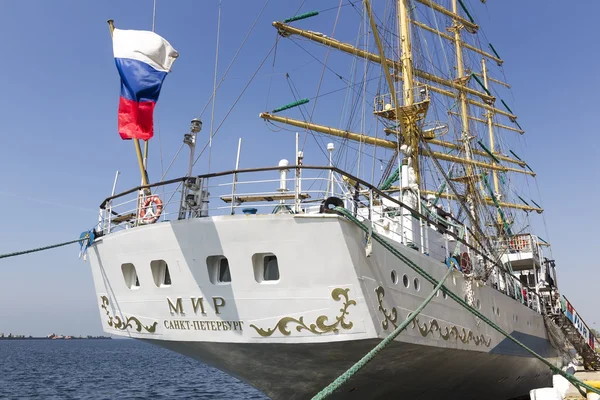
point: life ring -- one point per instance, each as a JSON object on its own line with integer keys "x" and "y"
{"x": 465, "y": 262}
{"x": 147, "y": 213}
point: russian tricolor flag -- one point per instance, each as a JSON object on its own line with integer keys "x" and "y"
{"x": 143, "y": 59}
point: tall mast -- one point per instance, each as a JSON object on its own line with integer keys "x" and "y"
{"x": 406, "y": 60}
{"x": 489, "y": 116}
{"x": 404, "y": 114}
{"x": 406, "y": 52}
{"x": 457, "y": 26}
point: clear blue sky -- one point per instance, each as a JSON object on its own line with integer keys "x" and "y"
{"x": 60, "y": 147}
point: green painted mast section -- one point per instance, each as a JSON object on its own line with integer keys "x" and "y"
{"x": 488, "y": 151}
{"x": 494, "y": 50}
{"x": 504, "y": 222}
{"x": 518, "y": 158}
{"x": 523, "y": 200}
{"x": 439, "y": 193}
{"x": 480, "y": 83}
{"x": 511, "y": 111}
{"x": 391, "y": 179}
{"x": 462, "y": 5}
{"x": 301, "y": 16}
{"x": 290, "y": 105}
{"x": 536, "y": 204}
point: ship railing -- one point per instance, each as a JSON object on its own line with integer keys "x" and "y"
{"x": 397, "y": 224}
{"x": 127, "y": 212}
{"x": 251, "y": 190}
{"x": 511, "y": 286}
{"x": 385, "y": 102}
{"x": 523, "y": 243}
{"x": 300, "y": 189}
{"x": 232, "y": 192}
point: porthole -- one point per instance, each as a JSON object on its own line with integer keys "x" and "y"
{"x": 266, "y": 268}
{"x": 405, "y": 281}
{"x": 130, "y": 276}
{"x": 417, "y": 284}
{"x": 493, "y": 310}
{"x": 218, "y": 270}
{"x": 271, "y": 268}
{"x": 160, "y": 273}
{"x": 394, "y": 277}
{"x": 497, "y": 311}
{"x": 224, "y": 272}
{"x": 478, "y": 304}
{"x": 444, "y": 295}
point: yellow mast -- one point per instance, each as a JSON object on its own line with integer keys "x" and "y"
{"x": 464, "y": 110}
{"x": 405, "y": 52}
{"x": 410, "y": 125}
{"x": 410, "y": 110}
{"x": 358, "y": 137}
{"x": 287, "y": 30}
{"x": 384, "y": 64}
{"x": 489, "y": 116}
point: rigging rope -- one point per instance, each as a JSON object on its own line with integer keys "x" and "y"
{"x": 236, "y": 55}
{"x": 344, "y": 377}
{"x": 323, "y": 70}
{"x": 214, "y": 94}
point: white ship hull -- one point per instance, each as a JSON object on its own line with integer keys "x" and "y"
{"x": 330, "y": 306}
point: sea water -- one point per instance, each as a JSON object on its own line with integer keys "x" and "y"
{"x": 109, "y": 369}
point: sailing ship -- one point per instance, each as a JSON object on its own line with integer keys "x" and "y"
{"x": 261, "y": 274}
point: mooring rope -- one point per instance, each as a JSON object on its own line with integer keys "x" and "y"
{"x": 439, "y": 285}
{"x": 53, "y": 246}
{"x": 328, "y": 391}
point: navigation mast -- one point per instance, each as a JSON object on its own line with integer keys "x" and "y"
{"x": 406, "y": 60}
{"x": 489, "y": 116}
{"x": 404, "y": 115}
{"x": 470, "y": 178}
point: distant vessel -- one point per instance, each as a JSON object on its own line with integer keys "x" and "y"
{"x": 254, "y": 272}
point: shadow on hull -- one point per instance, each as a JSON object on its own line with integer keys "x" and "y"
{"x": 402, "y": 370}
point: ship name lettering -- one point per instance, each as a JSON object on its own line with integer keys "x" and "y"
{"x": 199, "y": 302}
{"x": 176, "y": 307}
{"x": 184, "y": 325}
{"x": 221, "y": 304}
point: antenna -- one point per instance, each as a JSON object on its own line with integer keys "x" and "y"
{"x": 330, "y": 148}
{"x": 190, "y": 140}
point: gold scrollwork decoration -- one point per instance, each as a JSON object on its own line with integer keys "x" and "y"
{"x": 390, "y": 317}
{"x": 466, "y": 337}
{"x": 459, "y": 334}
{"x": 320, "y": 326}
{"x": 118, "y": 323}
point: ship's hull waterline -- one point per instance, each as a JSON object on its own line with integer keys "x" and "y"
{"x": 331, "y": 304}
{"x": 403, "y": 370}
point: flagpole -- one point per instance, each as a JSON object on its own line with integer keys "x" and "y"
{"x": 136, "y": 142}
{"x": 148, "y": 141}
